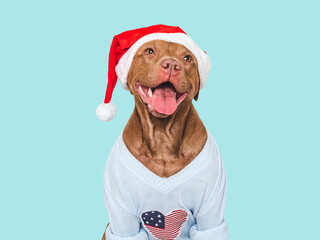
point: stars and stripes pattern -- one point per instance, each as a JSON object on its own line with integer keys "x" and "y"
{"x": 164, "y": 227}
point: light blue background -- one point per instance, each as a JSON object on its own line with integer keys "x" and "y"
{"x": 261, "y": 103}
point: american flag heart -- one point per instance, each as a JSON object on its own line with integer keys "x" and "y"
{"x": 164, "y": 227}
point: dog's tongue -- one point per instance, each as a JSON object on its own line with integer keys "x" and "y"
{"x": 164, "y": 100}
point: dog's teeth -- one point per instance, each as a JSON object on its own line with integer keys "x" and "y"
{"x": 150, "y": 92}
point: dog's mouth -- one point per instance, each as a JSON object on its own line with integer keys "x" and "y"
{"x": 164, "y": 98}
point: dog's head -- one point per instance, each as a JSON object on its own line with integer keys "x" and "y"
{"x": 164, "y": 76}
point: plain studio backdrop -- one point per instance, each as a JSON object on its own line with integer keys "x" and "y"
{"x": 261, "y": 104}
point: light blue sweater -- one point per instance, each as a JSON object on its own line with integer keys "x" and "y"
{"x": 187, "y": 205}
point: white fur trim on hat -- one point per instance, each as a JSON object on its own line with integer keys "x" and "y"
{"x": 106, "y": 112}
{"x": 203, "y": 59}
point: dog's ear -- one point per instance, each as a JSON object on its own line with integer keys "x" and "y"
{"x": 197, "y": 95}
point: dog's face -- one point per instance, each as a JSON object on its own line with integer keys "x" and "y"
{"x": 163, "y": 76}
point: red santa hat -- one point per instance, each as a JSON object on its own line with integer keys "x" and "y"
{"x": 123, "y": 49}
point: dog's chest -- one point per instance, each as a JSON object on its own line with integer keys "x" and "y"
{"x": 162, "y": 158}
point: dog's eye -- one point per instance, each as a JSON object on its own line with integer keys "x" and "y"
{"x": 149, "y": 51}
{"x": 187, "y": 58}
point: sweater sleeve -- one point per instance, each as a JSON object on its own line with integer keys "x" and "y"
{"x": 210, "y": 223}
{"x": 123, "y": 224}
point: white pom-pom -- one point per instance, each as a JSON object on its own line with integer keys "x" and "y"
{"x": 106, "y": 111}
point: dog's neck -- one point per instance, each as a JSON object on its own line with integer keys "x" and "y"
{"x": 165, "y": 145}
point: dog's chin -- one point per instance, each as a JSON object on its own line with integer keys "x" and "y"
{"x": 162, "y": 100}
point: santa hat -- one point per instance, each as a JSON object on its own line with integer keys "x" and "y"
{"x": 123, "y": 49}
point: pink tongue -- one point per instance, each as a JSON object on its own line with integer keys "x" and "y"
{"x": 164, "y": 100}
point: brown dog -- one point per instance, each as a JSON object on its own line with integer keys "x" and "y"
{"x": 165, "y": 171}
{"x": 164, "y": 142}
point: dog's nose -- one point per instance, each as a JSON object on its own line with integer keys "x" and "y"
{"x": 171, "y": 65}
